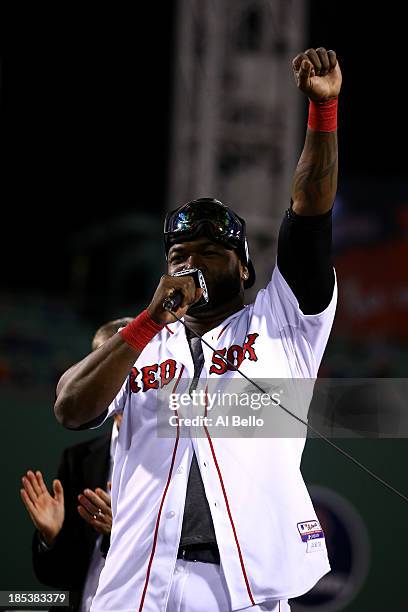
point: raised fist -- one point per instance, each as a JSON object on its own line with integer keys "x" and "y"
{"x": 317, "y": 73}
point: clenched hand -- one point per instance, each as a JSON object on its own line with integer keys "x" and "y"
{"x": 317, "y": 73}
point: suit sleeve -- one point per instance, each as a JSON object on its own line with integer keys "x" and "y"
{"x": 65, "y": 564}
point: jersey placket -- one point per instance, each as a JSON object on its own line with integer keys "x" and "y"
{"x": 197, "y": 521}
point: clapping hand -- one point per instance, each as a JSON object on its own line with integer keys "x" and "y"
{"x": 95, "y": 509}
{"x": 46, "y": 511}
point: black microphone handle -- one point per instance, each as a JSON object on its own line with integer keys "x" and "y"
{"x": 172, "y": 303}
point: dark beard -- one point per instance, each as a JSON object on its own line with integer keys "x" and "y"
{"x": 221, "y": 290}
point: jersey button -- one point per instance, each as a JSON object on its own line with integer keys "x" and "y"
{"x": 170, "y": 514}
{"x": 179, "y": 470}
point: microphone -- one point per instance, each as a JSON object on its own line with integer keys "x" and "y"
{"x": 171, "y": 303}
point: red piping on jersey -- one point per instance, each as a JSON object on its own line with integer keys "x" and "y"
{"x": 168, "y": 329}
{"x": 156, "y": 530}
{"x": 222, "y": 331}
{"x": 228, "y": 508}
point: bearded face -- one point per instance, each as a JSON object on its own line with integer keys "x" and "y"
{"x": 221, "y": 267}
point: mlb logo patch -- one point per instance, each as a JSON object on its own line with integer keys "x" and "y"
{"x": 310, "y": 530}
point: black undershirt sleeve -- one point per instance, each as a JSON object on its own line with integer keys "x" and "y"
{"x": 304, "y": 259}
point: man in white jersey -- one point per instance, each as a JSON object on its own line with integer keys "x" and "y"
{"x": 206, "y": 523}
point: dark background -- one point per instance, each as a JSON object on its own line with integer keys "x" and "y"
{"x": 85, "y": 108}
{"x": 84, "y": 128}
{"x": 84, "y": 139}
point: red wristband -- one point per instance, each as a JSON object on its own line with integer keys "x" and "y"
{"x": 323, "y": 116}
{"x": 140, "y": 331}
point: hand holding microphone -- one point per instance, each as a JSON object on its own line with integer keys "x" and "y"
{"x": 177, "y": 293}
{"x": 173, "y": 301}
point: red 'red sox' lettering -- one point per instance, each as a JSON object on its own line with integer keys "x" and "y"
{"x": 149, "y": 379}
{"x": 167, "y": 371}
{"x": 134, "y": 387}
{"x": 152, "y": 376}
{"x": 235, "y": 354}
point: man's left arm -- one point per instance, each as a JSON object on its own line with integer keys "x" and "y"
{"x": 318, "y": 76}
{"x": 305, "y": 237}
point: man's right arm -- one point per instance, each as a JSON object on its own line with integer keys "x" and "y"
{"x": 85, "y": 391}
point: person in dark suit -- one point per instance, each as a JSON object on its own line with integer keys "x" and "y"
{"x": 73, "y": 525}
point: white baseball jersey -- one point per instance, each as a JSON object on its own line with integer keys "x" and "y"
{"x": 270, "y": 541}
